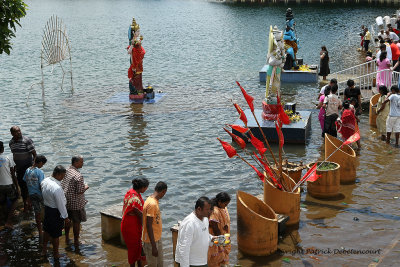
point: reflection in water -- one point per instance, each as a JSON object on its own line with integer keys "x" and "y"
{"x": 137, "y": 135}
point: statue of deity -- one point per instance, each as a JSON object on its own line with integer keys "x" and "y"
{"x": 136, "y": 52}
{"x": 291, "y": 42}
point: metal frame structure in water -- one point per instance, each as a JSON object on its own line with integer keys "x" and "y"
{"x": 55, "y": 49}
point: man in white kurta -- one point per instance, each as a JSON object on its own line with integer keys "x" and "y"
{"x": 193, "y": 236}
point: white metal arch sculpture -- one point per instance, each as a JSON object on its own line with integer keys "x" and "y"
{"x": 55, "y": 49}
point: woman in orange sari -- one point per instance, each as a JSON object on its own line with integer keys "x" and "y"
{"x": 132, "y": 220}
{"x": 220, "y": 224}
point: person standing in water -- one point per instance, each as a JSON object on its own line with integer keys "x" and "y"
{"x": 324, "y": 63}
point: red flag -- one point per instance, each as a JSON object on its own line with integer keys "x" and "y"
{"x": 237, "y": 139}
{"x": 242, "y": 116}
{"x": 230, "y": 151}
{"x": 355, "y": 137}
{"x": 280, "y": 134}
{"x": 249, "y": 98}
{"x": 238, "y": 108}
{"x": 260, "y": 175}
{"x": 282, "y": 115}
{"x": 238, "y": 128}
{"x": 269, "y": 172}
{"x": 267, "y": 169}
{"x": 257, "y": 144}
{"x": 311, "y": 175}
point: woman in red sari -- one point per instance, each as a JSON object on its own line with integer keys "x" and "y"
{"x": 348, "y": 123}
{"x": 132, "y": 220}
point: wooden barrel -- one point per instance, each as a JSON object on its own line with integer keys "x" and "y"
{"x": 328, "y": 185}
{"x": 293, "y": 169}
{"x": 345, "y": 157}
{"x": 257, "y": 226}
{"x": 372, "y": 109}
{"x": 284, "y": 202}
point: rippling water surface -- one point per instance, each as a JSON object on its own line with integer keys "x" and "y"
{"x": 195, "y": 52}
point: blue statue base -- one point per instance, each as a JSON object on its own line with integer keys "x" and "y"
{"x": 292, "y": 76}
{"x": 123, "y": 98}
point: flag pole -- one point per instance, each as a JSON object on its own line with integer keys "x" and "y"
{"x": 265, "y": 138}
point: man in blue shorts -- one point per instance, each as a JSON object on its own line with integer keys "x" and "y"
{"x": 33, "y": 177}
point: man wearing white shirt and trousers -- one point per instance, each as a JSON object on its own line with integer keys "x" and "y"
{"x": 194, "y": 237}
{"x": 55, "y": 213}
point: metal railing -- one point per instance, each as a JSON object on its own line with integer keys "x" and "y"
{"x": 355, "y": 71}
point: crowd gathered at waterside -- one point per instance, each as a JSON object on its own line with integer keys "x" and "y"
{"x": 388, "y": 106}
{"x": 61, "y": 197}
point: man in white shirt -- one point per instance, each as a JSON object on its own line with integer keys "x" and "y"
{"x": 55, "y": 213}
{"x": 393, "y": 119}
{"x": 332, "y": 105}
{"x": 8, "y": 185}
{"x": 193, "y": 236}
{"x": 393, "y": 36}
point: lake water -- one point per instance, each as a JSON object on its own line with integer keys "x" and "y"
{"x": 195, "y": 52}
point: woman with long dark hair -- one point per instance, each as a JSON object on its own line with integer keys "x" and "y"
{"x": 220, "y": 224}
{"x": 324, "y": 63}
{"x": 132, "y": 220}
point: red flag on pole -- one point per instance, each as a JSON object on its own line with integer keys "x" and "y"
{"x": 237, "y": 139}
{"x": 354, "y": 138}
{"x": 257, "y": 144}
{"x": 242, "y": 116}
{"x": 230, "y": 151}
{"x": 238, "y": 108}
{"x": 280, "y": 134}
{"x": 269, "y": 172}
{"x": 260, "y": 175}
{"x": 249, "y": 98}
{"x": 311, "y": 175}
{"x": 238, "y": 128}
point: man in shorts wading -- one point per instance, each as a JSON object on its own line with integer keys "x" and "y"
{"x": 8, "y": 185}
{"x": 55, "y": 212}
{"x": 33, "y": 177}
{"x": 74, "y": 188}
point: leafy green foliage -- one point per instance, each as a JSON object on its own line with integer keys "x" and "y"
{"x": 11, "y": 11}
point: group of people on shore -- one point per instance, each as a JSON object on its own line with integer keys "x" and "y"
{"x": 387, "y": 53}
{"x": 331, "y": 106}
{"x": 141, "y": 229}
{"x": 59, "y": 199}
